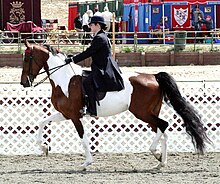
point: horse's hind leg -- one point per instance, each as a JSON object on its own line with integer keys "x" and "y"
{"x": 162, "y": 157}
{"x": 55, "y": 117}
{"x": 160, "y": 136}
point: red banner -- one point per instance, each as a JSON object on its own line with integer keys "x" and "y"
{"x": 180, "y": 16}
{"x": 72, "y": 15}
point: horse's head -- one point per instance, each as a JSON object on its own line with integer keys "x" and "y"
{"x": 35, "y": 58}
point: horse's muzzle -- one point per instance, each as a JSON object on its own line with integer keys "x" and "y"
{"x": 25, "y": 84}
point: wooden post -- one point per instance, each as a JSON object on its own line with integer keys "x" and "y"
{"x": 113, "y": 35}
{"x": 172, "y": 58}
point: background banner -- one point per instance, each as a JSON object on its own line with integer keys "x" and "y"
{"x": 17, "y": 11}
{"x": 180, "y": 16}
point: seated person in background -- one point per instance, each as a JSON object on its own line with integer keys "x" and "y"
{"x": 208, "y": 22}
{"x": 166, "y": 26}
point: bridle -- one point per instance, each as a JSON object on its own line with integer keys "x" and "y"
{"x": 30, "y": 70}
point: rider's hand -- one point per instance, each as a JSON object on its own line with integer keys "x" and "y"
{"x": 68, "y": 60}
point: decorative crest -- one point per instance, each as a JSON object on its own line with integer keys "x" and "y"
{"x": 17, "y": 12}
{"x": 16, "y": 4}
{"x": 181, "y": 15}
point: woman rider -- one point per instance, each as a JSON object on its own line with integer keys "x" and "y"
{"x": 105, "y": 75}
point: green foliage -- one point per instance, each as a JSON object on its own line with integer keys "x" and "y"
{"x": 126, "y": 49}
{"x": 140, "y": 49}
{"x": 215, "y": 49}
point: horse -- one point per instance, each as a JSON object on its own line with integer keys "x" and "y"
{"x": 143, "y": 96}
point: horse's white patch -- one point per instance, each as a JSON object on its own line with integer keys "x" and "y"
{"x": 118, "y": 101}
{"x": 62, "y": 75}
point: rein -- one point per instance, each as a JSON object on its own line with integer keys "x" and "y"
{"x": 45, "y": 78}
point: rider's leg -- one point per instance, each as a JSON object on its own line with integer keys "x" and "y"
{"x": 90, "y": 92}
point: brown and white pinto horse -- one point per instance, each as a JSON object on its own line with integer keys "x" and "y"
{"x": 142, "y": 96}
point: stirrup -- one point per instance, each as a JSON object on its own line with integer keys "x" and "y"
{"x": 87, "y": 113}
{"x": 83, "y": 111}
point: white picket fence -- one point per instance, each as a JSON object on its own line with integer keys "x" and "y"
{"x": 21, "y": 110}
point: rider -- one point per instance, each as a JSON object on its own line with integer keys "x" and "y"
{"x": 105, "y": 75}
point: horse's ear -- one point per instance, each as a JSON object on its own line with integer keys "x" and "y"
{"x": 27, "y": 44}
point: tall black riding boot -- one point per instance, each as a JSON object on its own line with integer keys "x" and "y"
{"x": 92, "y": 106}
{"x": 90, "y": 92}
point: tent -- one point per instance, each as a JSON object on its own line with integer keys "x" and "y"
{"x": 145, "y": 14}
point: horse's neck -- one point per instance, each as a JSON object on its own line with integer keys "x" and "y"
{"x": 61, "y": 76}
{"x": 55, "y": 61}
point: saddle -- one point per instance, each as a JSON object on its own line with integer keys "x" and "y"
{"x": 99, "y": 94}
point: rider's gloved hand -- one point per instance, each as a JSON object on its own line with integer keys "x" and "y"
{"x": 68, "y": 60}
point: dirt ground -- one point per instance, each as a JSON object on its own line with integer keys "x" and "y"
{"x": 183, "y": 168}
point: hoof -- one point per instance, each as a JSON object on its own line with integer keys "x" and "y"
{"x": 158, "y": 156}
{"x": 85, "y": 165}
{"x": 159, "y": 166}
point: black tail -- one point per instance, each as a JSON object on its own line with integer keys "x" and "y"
{"x": 192, "y": 121}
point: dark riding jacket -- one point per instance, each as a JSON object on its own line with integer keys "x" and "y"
{"x": 105, "y": 71}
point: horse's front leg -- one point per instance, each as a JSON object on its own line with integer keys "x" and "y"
{"x": 53, "y": 118}
{"x": 85, "y": 143}
{"x": 162, "y": 157}
{"x": 88, "y": 154}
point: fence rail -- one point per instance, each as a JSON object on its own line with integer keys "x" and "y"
{"x": 21, "y": 110}
{"x": 67, "y": 38}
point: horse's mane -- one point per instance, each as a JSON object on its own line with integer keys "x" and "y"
{"x": 51, "y": 49}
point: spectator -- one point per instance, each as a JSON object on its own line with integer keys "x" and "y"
{"x": 160, "y": 24}
{"x": 86, "y": 19}
{"x": 209, "y": 23}
{"x": 85, "y": 25}
{"x": 197, "y": 15}
{"x": 78, "y": 22}
{"x": 97, "y": 12}
{"x": 107, "y": 15}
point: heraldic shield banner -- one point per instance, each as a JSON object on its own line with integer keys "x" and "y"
{"x": 180, "y": 16}
{"x": 17, "y": 11}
